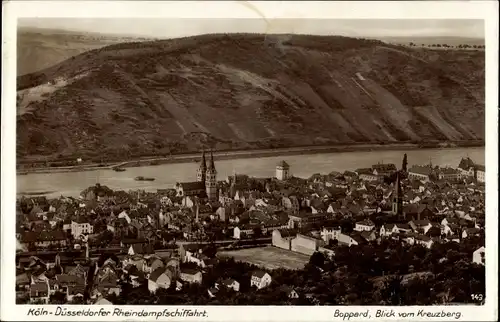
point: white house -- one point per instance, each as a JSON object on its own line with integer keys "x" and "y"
{"x": 243, "y": 230}
{"x": 347, "y": 240}
{"x": 289, "y": 291}
{"x": 365, "y": 225}
{"x": 423, "y": 240}
{"x": 331, "y": 209}
{"x": 389, "y": 229}
{"x": 480, "y": 173}
{"x": 81, "y": 227}
{"x": 478, "y": 256}
{"x": 420, "y": 225}
{"x": 159, "y": 278}
{"x": 282, "y": 171}
{"x": 191, "y": 275}
{"x": 328, "y": 233}
{"x": 368, "y": 177}
{"x": 197, "y": 258}
{"x": 140, "y": 249}
{"x": 230, "y": 284}
{"x": 446, "y": 230}
{"x": 260, "y": 279}
{"x": 469, "y": 232}
{"x": 67, "y": 225}
{"x": 187, "y": 202}
{"x": 124, "y": 215}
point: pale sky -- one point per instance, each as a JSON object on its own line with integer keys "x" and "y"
{"x": 171, "y": 28}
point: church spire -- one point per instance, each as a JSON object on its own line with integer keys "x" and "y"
{"x": 211, "y": 164}
{"x": 232, "y": 188}
{"x": 399, "y": 190}
{"x": 397, "y": 202}
{"x": 201, "y": 173}
{"x": 211, "y": 179}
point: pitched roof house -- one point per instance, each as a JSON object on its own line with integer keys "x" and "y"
{"x": 260, "y": 279}
{"x": 160, "y": 278}
{"x": 365, "y": 225}
{"x": 478, "y": 256}
{"x": 140, "y": 249}
{"x": 230, "y": 283}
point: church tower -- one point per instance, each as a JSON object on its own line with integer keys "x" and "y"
{"x": 405, "y": 163}
{"x": 202, "y": 170}
{"x": 211, "y": 179}
{"x": 232, "y": 188}
{"x": 397, "y": 199}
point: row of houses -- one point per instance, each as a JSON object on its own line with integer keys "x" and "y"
{"x": 423, "y": 232}
{"x": 466, "y": 169}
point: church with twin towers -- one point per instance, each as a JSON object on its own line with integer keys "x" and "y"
{"x": 205, "y": 184}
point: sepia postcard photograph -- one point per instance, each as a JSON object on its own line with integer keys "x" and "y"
{"x": 245, "y": 160}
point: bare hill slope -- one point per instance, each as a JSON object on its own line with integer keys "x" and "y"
{"x": 240, "y": 91}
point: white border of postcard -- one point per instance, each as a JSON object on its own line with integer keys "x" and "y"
{"x": 487, "y": 10}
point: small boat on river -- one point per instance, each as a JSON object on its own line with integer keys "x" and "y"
{"x": 118, "y": 169}
{"x": 141, "y": 178}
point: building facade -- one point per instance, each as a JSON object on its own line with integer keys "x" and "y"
{"x": 449, "y": 174}
{"x": 202, "y": 170}
{"x": 421, "y": 173}
{"x": 81, "y": 227}
{"x": 205, "y": 184}
{"x": 480, "y": 173}
{"x": 211, "y": 179}
{"x": 282, "y": 171}
{"x": 397, "y": 200}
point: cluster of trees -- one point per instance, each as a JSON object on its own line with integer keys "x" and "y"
{"x": 385, "y": 273}
{"x": 461, "y": 46}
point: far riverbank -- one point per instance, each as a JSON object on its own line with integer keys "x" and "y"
{"x": 245, "y": 154}
{"x": 302, "y": 166}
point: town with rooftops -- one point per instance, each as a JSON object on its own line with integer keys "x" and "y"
{"x": 390, "y": 234}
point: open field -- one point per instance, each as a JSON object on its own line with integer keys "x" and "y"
{"x": 269, "y": 257}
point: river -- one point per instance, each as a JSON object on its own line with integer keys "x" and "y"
{"x": 72, "y": 183}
